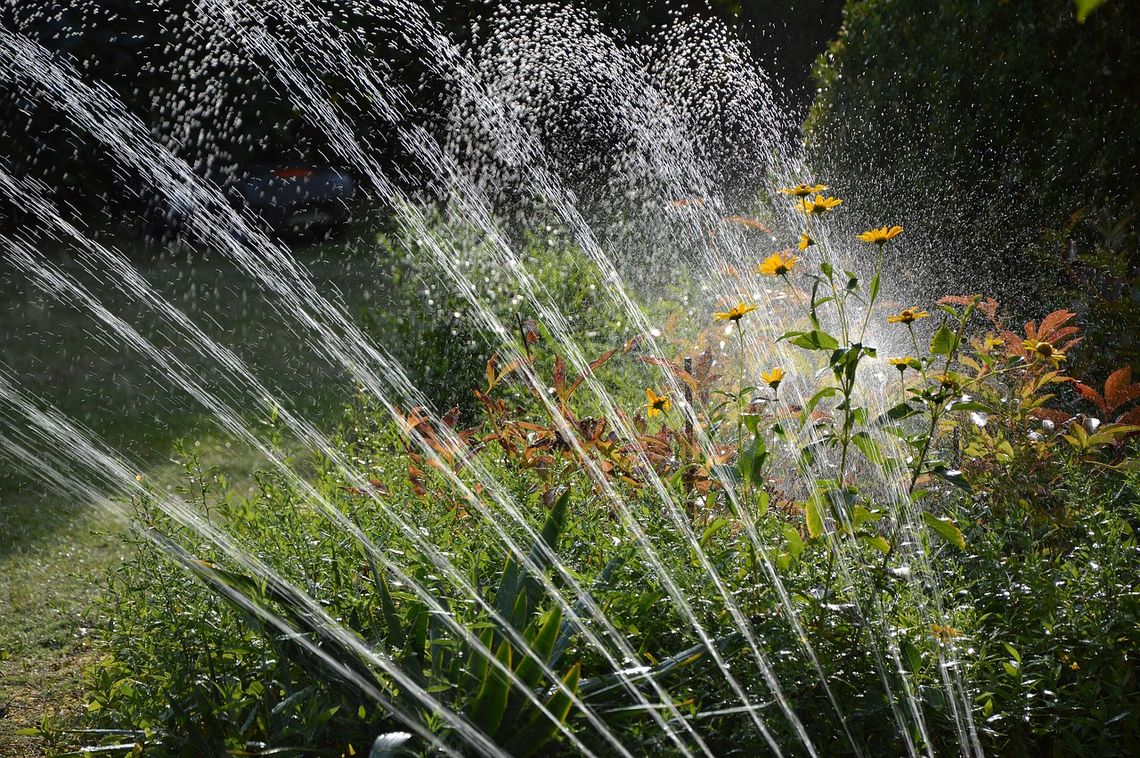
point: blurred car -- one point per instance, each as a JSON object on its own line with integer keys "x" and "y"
{"x": 296, "y": 200}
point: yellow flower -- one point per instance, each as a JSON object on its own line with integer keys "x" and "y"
{"x": 657, "y": 403}
{"x": 902, "y": 364}
{"x": 907, "y": 316}
{"x": 946, "y": 380}
{"x": 1040, "y": 350}
{"x": 803, "y": 190}
{"x": 805, "y": 242}
{"x": 880, "y": 236}
{"x": 773, "y": 378}
{"x": 943, "y": 633}
{"x": 777, "y": 265}
{"x": 1075, "y": 666}
{"x": 990, "y": 343}
{"x": 735, "y": 314}
{"x": 819, "y": 205}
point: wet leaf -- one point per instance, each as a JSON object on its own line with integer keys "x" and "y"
{"x": 946, "y": 529}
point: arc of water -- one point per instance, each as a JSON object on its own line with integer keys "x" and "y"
{"x": 522, "y": 152}
{"x": 289, "y": 69}
{"x": 344, "y": 352}
{"x": 520, "y": 143}
{"x": 885, "y": 682}
{"x": 58, "y": 284}
{"x": 284, "y": 66}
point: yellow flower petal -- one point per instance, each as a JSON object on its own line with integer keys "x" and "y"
{"x": 777, "y": 264}
{"x": 880, "y": 236}
{"x": 735, "y": 314}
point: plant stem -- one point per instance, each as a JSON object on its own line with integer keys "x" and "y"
{"x": 871, "y": 300}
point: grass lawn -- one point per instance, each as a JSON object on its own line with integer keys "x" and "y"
{"x": 54, "y": 554}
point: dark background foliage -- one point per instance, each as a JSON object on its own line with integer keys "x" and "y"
{"x": 190, "y": 87}
{"x": 988, "y": 125}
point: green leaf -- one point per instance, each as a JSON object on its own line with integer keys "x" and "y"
{"x": 873, "y": 291}
{"x": 603, "y": 581}
{"x": 795, "y": 542}
{"x": 539, "y": 729}
{"x": 944, "y": 341}
{"x": 491, "y": 701}
{"x": 878, "y": 541}
{"x": 868, "y": 447}
{"x": 387, "y": 606}
{"x": 945, "y": 529}
{"x": 751, "y": 421}
{"x": 813, "y": 512}
{"x": 529, "y": 669}
{"x": 952, "y": 477}
{"x": 1085, "y": 7}
{"x": 814, "y": 400}
{"x": 515, "y": 579}
{"x": 477, "y": 657}
{"x": 711, "y": 531}
{"x": 816, "y": 340}
{"x": 750, "y": 463}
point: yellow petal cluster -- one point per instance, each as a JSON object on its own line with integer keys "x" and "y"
{"x": 819, "y": 205}
{"x": 656, "y": 403}
{"x": 735, "y": 314}
{"x": 803, "y": 190}
{"x": 881, "y": 236}
{"x": 777, "y": 264}
{"x": 907, "y": 316}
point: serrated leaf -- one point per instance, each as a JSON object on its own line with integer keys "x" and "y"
{"x": 795, "y": 542}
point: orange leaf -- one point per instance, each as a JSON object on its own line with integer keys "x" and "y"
{"x": 1132, "y": 418}
{"x": 1051, "y": 414}
{"x": 491, "y": 364}
{"x": 415, "y": 476}
{"x": 749, "y": 222}
{"x": 1088, "y": 393}
{"x": 1053, "y": 321}
{"x": 1119, "y": 388}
